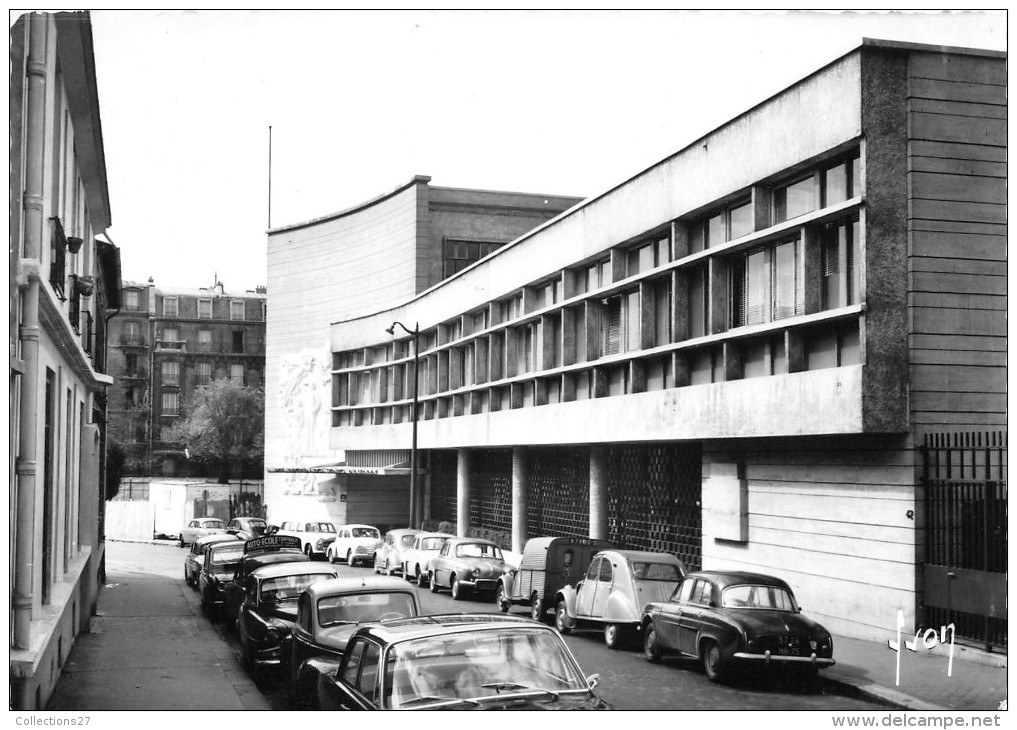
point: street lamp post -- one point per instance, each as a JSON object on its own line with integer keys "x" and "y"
{"x": 415, "y": 332}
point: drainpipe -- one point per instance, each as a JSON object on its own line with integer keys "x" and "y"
{"x": 26, "y": 465}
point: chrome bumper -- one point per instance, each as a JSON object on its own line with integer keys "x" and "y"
{"x": 768, "y": 657}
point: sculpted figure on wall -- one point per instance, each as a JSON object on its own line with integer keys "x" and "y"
{"x": 303, "y": 398}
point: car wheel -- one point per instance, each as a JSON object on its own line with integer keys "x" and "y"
{"x": 537, "y": 608}
{"x": 501, "y": 599}
{"x": 330, "y": 556}
{"x": 651, "y": 649}
{"x": 434, "y": 583}
{"x": 613, "y": 636}
{"x": 308, "y": 552}
{"x": 713, "y": 662}
{"x": 560, "y": 614}
{"x": 421, "y": 578}
{"x": 187, "y": 577}
{"x": 458, "y": 592}
{"x": 182, "y": 543}
{"x": 349, "y": 558}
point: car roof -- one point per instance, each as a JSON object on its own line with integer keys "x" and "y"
{"x": 643, "y": 556}
{"x": 349, "y": 584}
{"x": 434, "y": 534}
{"x": 208, "y": 519}
{"x": 403, "y": 531}
{"x": 357, "y": 524}
{"x": 435, "y": 625}
{"x": 217, "y": 537}
{"x": 727, "y": 578}
{"x": 286, "y": 555}
{"x": 536, "y": 544}
{"x": 300, "y": 568}
{"x": 461, "y": 540}
{"x": 216, "y": 547}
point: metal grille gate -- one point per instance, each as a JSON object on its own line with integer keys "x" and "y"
{"x": 654, "y": 500}
{"x": 966, "y": 534}
{"x": 558, "y": 492}
{"x": 491, "y": 489}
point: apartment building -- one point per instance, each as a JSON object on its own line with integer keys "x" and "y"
{"x": 166, "y": 342}
{"x": 64, "y": 284}
{"x": 780, "y": 349}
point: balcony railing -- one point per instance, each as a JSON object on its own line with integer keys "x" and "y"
{"x": 171, "y": 345}
{"x": 133, "y": 341}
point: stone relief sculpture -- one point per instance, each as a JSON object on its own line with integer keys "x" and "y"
{"x": 303, "y": 397}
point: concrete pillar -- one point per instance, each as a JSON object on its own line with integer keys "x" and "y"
{"x": 520, "y": 475}
{"x": 463, "y": 493}
{"x": 598, "y": 492}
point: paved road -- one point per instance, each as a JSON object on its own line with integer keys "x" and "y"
{"x": 627, "y": 680}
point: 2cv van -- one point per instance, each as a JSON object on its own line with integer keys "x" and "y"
{"x": 548, "y": 563}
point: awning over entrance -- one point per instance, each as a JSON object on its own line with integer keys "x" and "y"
{"x": 400, "y": 468}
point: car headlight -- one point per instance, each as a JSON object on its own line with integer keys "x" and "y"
{"x": 320, "y": 544}
{"x": 476, "y": 572}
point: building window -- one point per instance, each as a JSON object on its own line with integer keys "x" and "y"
{"x": 170, "y": 372}
{"x": 171, "y": 403}
{"x": 237, "y": 309}
{"x": 204, "y": 309}
{"x": 795, "y": 199}
{"x": 833, "y": 348}
{"x": 458, "y": 254}
{"x": 132, "y": 333}
{"x": 238, "y": 341}
{"x": 662, "y": 312}
{"x": 237, "y": 373}
{"x": 204, "y": 373}
{"x": 170, "y": 334}
{"x": 131, "y": 363}
{"x": 621, "y": 326}
{"x": 170, "y": 307}
{"x": 840, "y": 246}
{"x": 842, "y": 181}
{"x": 512, "y": 308}
{"x": 699, "y": 297}
{"x": 767, "y": 284}
{"x": 724, "y": 225}
{"x": 204, "y": 340}
{"x": 132, "y": 300}
{"x": 764, "y": 357}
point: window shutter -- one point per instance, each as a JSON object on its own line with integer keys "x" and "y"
{"x": 612, "y": 343}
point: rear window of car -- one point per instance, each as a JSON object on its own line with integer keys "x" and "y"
{"x": 361, "y": 607}
{"x": 320, "y": 527}
{"x": 754, "y": 596}
{"x": 365, "y": 532}
{"x": 656, "y": 571}
{"x": 289, "y": 587}
{"x": 229, "y": 555}
{"x": 407, "y": 541}
{"x": 212, "y": 523}
{"x": 478, "y": 550}
{"x": 432, "y": 543}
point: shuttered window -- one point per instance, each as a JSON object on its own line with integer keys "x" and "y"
{"x": 633, "y": 322}
{"x": 662, "y": 313}
{"x": 612, "y": 326}
{"x": 768, "y": 285}
{"x": 840, "y": 253}
{"x": 698, "y": 296}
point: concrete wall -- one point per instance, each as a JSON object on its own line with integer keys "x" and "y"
{"x": 830, "y": 516}
{"x": 130, "y": 520}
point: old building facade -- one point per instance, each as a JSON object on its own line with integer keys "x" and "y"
{"x": 760, "y": 353}
{"x": 65, "y": 283}
{"x": 166, "y": 342}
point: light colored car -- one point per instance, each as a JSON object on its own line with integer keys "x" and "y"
{"x": 315, "y": 537}
{"x": 417, "y": 559}
{"x": 611, "y": 596}
{"x": 196, "y": 555}
{"x": 328, "y": 614}
{"x": 354, "y": 544}
{"x": 389, "y": 557}
{"x": 468, "y": 564}
{"x": 200, "y": 527}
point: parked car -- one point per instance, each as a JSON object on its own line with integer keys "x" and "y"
{"x": 315, "y": 537}
{"x": 417, "y": 560}
{"x": 247, "y": 528}
{"x": 354, "y": 544}
{"x": 199, "y": 528}
{"x": 195, "y": 557}
{"x": 389, "y": 557}
{"x": 328, "y": 613}
{"x": 611, "y": 596}
{"x": 724, "y": 618}
{"x": 548, "y": 563}
{"x": 458, "y": 662}
{"x": 259, "y": 552}
{"x": 220, "y": 564}
{"x": 467, "y": 564}
{"x": 270, "y": 606}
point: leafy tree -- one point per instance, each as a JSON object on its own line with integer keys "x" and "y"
{"x": 223, "y": 422}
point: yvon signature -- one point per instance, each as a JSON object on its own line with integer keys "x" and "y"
{"x": 929, "y": 639}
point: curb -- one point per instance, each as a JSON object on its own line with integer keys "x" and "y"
{"x": 881, "y": 695}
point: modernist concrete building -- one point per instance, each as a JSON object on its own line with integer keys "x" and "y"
{"x": 388, "y": 249}
{"x": 761, "y": 353}
{"x": 64, "y": 283}
{"x": 164, "y": 343}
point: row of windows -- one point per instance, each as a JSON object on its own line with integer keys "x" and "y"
{"x": 171, "y": 306}
{"x": 171, "y": 372}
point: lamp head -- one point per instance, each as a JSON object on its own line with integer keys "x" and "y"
{"x": 390, "y": 330}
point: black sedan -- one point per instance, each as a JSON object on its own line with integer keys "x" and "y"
{"x": 270, "y": 607}
{"x": 458, "y": 662}
{"x": 220, "y": 563}
{"x": 258, "y": 553}
{"x": 724, "y": 618}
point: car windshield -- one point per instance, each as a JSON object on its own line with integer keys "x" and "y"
{"x": 478, "y": 550}
{"x": 752, "y": 596}
{"x": 361, "y": 607}
{"x": 479, "y": 664}
{"x": 364, "y": 532}
{"x": 656, "y": 571}
{"x": 406, "y": 541}
{"x": 432, "y": 543}
{"x": 228, "y": 555}
{"x": 288, "y": 587}
{"x": 211, "y": 523}
{"x": 320, "y": 527}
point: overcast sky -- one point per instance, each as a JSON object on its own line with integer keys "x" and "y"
{"x": 568, "y": 102}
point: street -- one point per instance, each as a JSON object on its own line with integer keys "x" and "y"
{"x": 628, "y": 681}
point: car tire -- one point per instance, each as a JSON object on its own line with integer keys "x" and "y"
{"x": 349, "y": 558}
{"x": 537, "y": 608}
{"x": 651, "y": 649}
{"x": 458, "y": 592}
{"x": 501, "y": 599}
{"x": 187, "y": 577}
{"x": 713, "y": 661}
{"x": 434, "y": 582}
{"x": 330, "y": 557}
{"x": 613, "y": 634}
{"x": 421, "y": 577}
{"x": 182, "y": 543}
{"x": 560, "y": 613}
{"x": 308, "y": 552}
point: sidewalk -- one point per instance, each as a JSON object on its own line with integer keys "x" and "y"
{"x": 148, "y": 650}
{"x": 869, "y": 670}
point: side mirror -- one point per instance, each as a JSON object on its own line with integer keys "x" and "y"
{"x": 593, "y": 681}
